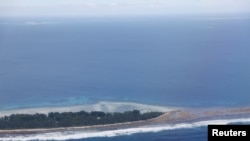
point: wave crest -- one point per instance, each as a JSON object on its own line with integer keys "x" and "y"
{"x": 66, "y": 135}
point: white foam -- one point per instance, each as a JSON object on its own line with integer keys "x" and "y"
{"x": 104, "y": 106}
{"x": 121, "y": 132}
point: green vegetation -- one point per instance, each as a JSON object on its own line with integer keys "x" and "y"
{"x": 69, "y": 119}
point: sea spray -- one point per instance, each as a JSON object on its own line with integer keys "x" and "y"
{"x": 67, "y": 135}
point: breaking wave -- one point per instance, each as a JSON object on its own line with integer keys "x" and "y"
{"x": 66, "y": 135}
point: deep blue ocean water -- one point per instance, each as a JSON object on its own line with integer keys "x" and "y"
{"x": 187, "y": 62}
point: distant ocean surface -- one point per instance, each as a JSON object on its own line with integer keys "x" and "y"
{"x": 167, "y": 61}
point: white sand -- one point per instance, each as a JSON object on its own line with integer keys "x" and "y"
{"x": 100, "y": 106}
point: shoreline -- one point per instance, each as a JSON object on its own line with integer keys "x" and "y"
{"x": 171, "y": 117}
{"x": 104, "y": 106}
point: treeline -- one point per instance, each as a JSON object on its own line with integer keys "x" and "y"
{"x": 70, "y": 119}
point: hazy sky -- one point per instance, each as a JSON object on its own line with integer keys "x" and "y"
{"x": 119, "y": 7}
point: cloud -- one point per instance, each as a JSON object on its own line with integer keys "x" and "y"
{"x": 37, "y": 23}
{"x": 225, "y": 18}
{"x": 104, "y": 7}
{"x": 92, "y": 5}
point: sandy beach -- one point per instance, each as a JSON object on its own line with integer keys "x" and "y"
{"x": 104, "y": 106}
{"x": 170, "y": 117}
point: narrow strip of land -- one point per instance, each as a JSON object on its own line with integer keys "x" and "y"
{"x": 166, "y": 118}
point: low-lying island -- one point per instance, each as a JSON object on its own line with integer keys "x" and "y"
{"x": 69, "y": 125}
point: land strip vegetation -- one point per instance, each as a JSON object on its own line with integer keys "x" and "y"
{"x": 71, "y": 119}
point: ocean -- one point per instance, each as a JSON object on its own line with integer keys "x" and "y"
{"x": 191, "y": 61}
